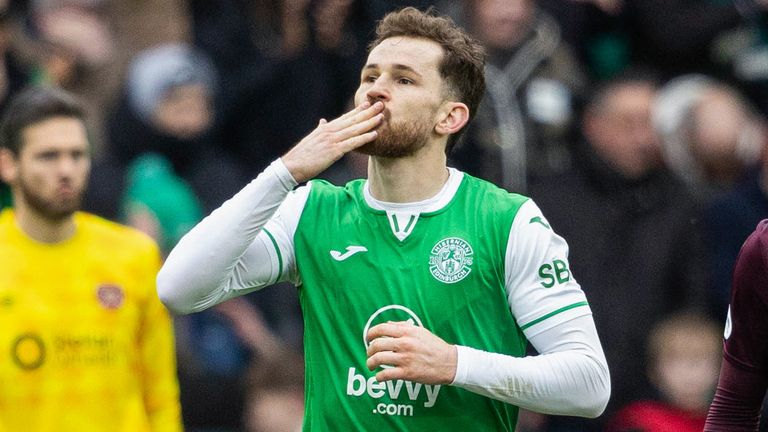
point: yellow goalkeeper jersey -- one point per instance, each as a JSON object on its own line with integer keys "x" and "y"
{"x": 85, "y": 344}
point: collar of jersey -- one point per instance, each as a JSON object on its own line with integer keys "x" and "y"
{"x": 11, "y": 228}
{"x": 430, "y": 205}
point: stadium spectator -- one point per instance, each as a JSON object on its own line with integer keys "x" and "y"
{"x": 218, "y": 350}
{"x": 724, "y": 39}
{"x": 167, "y": 109}
{"x": 275, "y": 395}
{"x": 523, "y": 126}
{"x": 158, "y": 202}
{"x": 274, "y": 83}
{"x": 729, "y": 219}
{"x": 14, "y": 75}
{"x": 72, "y": 45}
{"x": 5, "y": 196}
{"x": 596, "y": 31}
{"x": 629, "y": 223}
{"x": 85, "y": 46}
{"x": 12, "y": 78}
{"x": 86, "y": 343}
{"x": 710, "y": 134}
{"x": 684, "y": 353}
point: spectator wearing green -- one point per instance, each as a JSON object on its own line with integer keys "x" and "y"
{"x": 159, "y": 202}
{"x": 5, "y": 196}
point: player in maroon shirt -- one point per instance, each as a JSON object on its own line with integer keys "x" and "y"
{"x": 744, "y": 371}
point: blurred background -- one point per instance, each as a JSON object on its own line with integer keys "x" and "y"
{"x": 639, "y": 127}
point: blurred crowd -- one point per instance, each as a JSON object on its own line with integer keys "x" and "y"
{"x": 639, "y": 128}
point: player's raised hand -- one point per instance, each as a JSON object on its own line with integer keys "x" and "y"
{"x": 332, "y": 140}
{"x": 412, "y": 353}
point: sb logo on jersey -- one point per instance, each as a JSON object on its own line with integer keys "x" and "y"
{"x": 557, "y": 272}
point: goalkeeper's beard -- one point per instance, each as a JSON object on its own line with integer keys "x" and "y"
{"x": 55, "y": 209}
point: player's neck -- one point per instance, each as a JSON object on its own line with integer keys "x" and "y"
{"x": 43, "y": 229}
{"x": 409, "y": 179}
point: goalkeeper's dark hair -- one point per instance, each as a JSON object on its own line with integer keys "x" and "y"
{"x": 32, "y": 106}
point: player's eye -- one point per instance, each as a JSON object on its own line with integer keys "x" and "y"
{"x": 405, "y": 81}
{"x": 48, "y": 156}
{"x": 369, "y": 78}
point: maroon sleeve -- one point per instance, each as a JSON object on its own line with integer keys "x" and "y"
{"x": 744, "y": 372}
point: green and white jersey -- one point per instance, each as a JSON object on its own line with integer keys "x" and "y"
{"x": 477, "y": 266}
{"x": 451, "y": 269}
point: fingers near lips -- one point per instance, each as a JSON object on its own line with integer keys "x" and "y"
{"x": 363, "y": 115}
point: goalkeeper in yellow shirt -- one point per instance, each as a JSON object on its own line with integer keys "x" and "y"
{"x": 85, "y": 344}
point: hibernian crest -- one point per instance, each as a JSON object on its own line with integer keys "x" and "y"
{"x": 451, "y": 260}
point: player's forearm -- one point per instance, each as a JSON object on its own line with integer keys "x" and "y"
{"x": 737, "y": 402}
{"x": 199, "y": 269}
{"x": 560, "y": 384}
{"x": 573, "y": 380}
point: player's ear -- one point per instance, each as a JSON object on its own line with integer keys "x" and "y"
{"x": 7, "y": 165}
{"x": 452, "y": 117}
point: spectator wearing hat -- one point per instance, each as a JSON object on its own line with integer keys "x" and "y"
{"x": 710, "y": 134}
{"x": 168, "y": 110}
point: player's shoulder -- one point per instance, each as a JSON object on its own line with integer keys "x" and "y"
{"x": 7, "y": 225}
{"x": 757, "y": 242}
{"x": 322, "y": 185}
{"x": 496, "y": 194}
{"x": 6, "y": 217}
{"x": 112, "y": 233}
{"x": 761, "y": 232}
{"x": 521, "y": 210}
{"x": 485, "y": 198}
{"x": 325, "y": 190}
{"x": 752, "y": 261}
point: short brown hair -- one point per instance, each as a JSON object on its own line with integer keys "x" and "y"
{"x": 463, "y": 63}
{"x": 36, "y": 105}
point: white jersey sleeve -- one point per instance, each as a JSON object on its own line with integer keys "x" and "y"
{"x": 244, "y": 245}
{"x": 570, "y": 375}
{"x": 541, "y": 290}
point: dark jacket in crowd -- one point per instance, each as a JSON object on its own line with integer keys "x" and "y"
{"x": 728, "y": 221}
{"x": 636, "y": 249}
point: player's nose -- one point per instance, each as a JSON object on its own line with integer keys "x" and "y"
{"x": 378, "y": 91}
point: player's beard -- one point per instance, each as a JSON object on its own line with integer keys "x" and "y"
{"x": 56, "y": 209}
{"x": 399, "y": 139}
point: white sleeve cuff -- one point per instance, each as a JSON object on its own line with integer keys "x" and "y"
{"x": 285, "y": 177}
{"x": 466, "y": 356}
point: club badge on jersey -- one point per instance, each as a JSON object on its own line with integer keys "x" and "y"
{"x": 451, "y": 260}
{"x": 110, "y": 296}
